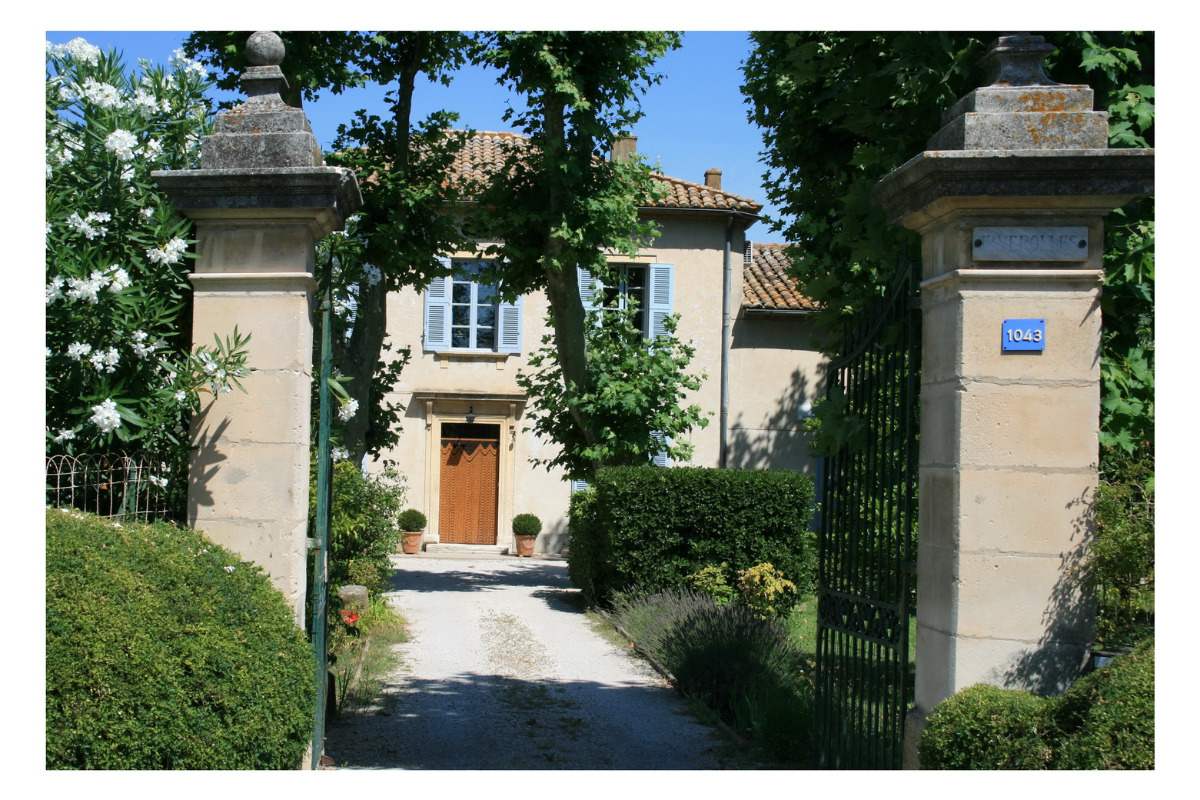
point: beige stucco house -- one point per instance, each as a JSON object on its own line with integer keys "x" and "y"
{"x": 464, "y": 446}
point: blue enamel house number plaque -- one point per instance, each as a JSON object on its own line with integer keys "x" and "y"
{"x": 1023, "y": 334}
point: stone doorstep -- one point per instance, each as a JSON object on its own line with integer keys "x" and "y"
{"x": 437, "y": 548}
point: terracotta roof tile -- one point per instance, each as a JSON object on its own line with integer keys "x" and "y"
{"x": 765, "y": 283}
{"x": 486, "y": 151}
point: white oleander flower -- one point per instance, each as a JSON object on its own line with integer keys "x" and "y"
{"x": 339, "y": 454}
{"x": 86, "y": 226}
{"x": 120, "y": 279}
{"x": 169, "y": 253}
{"x": 348, "y": 410}
{"x": 146, "y": 103}
{"x": 180, "y": 396}
{"x": 121, "y": 143}
{"x": 152, "y": 149}
{"x": 159, "y": 482}
{"x": 139, "y": 344}
{"x": 105, "y": 416}
{"x": 104, "y": 95}
{"x": 64, "y": 435}
{"x": 77, "y": 350}
{"x": 54, "y": 289}
{"x": 105, "y": 360}
{"x": 77, "y": 49}
{"x": 89, "y": 290}
{"x": 372, "y": 273}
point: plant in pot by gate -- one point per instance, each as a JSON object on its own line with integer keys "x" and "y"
{"x": 412, "y": 525}
{"x": 526, "y": 528}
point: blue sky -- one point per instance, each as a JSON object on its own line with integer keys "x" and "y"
{"x": 695, "y": 119}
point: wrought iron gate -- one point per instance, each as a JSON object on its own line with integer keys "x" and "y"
{"x": 866, "y": 543}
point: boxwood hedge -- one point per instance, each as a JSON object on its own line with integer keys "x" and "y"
{"x": 1104, "y": 721}
{"x": 164, "y": 651}
{"x": 649, "y": 528}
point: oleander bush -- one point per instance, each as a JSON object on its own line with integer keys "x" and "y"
{"x": 1105, "y": 720}
{"x": 655, "y": 528}
{"x": 165, "y": 651}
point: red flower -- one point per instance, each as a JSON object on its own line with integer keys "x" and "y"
{"x": 350, "y": 618}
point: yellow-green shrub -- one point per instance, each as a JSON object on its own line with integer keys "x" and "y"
{"x": 164, "y": 651}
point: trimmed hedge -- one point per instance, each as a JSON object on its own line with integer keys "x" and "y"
{"x": 164, "y": 651}
{"x": 1107, "y": 716}
{"x": 1104, "y": 721}
{"x": 649, "y": 528}
{"x": 985, "y": 727}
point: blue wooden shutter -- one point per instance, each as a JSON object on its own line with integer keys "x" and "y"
{"x": 590, "y": 290}
{"x": 437, "y": 312}
{"x": 508, "y": 327}
{"x": 660, "y": 458}
{"x": 660, "y": 296}
{"x": 660, "y": 304}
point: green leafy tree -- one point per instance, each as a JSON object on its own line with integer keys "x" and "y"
{"x": 401, "y": 228}
{"x": 119, "y": 363}
{"x": 557, "y": 206}
{"x": 632, "y": 398}
{"x": 840, "y": 110}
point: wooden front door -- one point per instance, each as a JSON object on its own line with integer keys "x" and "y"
{"x": 470, "y": 483}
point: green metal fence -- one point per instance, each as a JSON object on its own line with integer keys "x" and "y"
{"x": 319, "y": 544}
{"x": 866, "y": 543}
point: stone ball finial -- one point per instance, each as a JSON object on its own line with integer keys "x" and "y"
{"x": 264, "y": 49}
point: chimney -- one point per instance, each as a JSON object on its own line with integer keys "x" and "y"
{"x": 624, "y": 148}
{"x": 712, "y": 179}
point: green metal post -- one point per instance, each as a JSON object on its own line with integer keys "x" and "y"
{"x": 324, "y": 495}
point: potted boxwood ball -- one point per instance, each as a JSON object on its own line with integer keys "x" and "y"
{"x": 526, "y": 528}
{"x": 412, "y": 524}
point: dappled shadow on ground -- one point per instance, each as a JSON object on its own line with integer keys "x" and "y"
{"x": 495, "y": 722}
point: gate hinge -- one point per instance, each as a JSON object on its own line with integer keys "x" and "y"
{"x": 313, "y": 544}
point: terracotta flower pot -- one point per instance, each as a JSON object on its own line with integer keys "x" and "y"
{"x": 411, "y": 542}
{"x": 525, "y": 544}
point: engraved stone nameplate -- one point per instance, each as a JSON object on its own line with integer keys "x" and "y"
{"x": 1030, "y": 244}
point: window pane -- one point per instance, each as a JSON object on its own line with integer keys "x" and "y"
{"x": 485, "y": 293}
{"x": 485, "y": 338}
{"x": 485, "y": 317}
{"x": 460, "y": 337}
{"x": 461, "y": 293}
{"x": 461, "y": 315}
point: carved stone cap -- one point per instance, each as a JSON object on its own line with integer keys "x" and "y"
{"x": 1086, "y": 181}
{"x": 1021, "y": 108}
{"x": 263, "y": 132}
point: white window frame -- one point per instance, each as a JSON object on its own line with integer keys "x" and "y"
{"x": 439, "y": 315}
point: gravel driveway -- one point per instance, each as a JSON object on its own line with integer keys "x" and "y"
{"x": 502, "y": 673}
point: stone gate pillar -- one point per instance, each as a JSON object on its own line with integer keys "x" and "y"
{"x": 261, "y": 200}
{"x": 1009, "y": 201}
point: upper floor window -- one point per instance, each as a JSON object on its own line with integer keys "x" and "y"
{"x": 652, "y": 286}
{"x": 463, "y": 313}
